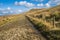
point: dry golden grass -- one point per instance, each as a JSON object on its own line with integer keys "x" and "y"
{"x": 35, "y": 17}
{"x": 8, "y": 18}
{"x": 19, "y": 29}
{"x": 35, "y": 13}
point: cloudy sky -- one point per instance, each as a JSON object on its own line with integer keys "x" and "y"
{"x": 19, "y": 6}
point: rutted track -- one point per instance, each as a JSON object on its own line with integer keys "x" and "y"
{"x": 21, "y": 29}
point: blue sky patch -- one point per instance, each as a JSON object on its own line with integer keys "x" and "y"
{"x": 19, "y": 6}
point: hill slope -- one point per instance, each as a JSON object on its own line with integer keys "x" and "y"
{"x": 36, "y": 24}
{"x": 19, "y": 29}
{"x": 47, "y": 21}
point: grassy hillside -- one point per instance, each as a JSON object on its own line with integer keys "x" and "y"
{"x": 19, "y": 28}
{"x": 7, "y": 18}
{"x": 47, "y": 21}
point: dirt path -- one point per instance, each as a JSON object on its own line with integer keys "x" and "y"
{"x": 21, "y": 29}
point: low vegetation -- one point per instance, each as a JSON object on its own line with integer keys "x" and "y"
{"x": 47, "y": 21}
{"x": 19, "y": 29}
{"x": 8, "y": 18}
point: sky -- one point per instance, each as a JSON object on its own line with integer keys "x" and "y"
{"x": 19, "y": 6}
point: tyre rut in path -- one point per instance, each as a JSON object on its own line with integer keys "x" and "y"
{"x": 21, "y": 29}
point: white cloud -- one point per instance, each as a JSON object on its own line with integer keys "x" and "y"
{"x": 20, "y": 11}
{"x": 30, "y": 5}
{"x": 40, "y": 4}
{"x": 57, "y": 2}
{"x": 8, "y": 8}
{"x": 24, "y": 3}
{"x": 4, "y": 12}
{"x": 47, "y": 5}
{"x": 38, "y": 0}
